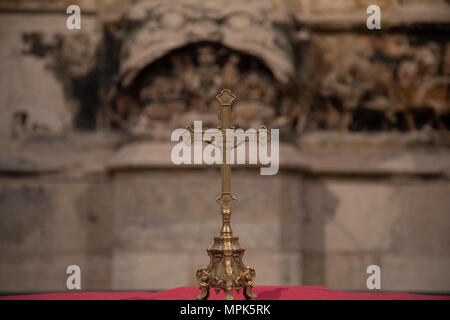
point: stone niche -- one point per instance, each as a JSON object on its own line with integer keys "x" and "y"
{"x": 175, "y": 58}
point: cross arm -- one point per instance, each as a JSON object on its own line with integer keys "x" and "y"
{"x": 247, "y": 136}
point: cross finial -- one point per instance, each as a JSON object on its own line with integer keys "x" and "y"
{"x": 225, "y": 97}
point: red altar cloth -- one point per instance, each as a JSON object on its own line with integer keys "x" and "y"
{"x": 264, "y": 293}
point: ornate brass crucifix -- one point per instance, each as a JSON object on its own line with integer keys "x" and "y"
{"x": 226, "y": 269}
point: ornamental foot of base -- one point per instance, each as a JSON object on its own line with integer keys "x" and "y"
{"x": 204, "y": 295}
{"x": 226, "y": 270}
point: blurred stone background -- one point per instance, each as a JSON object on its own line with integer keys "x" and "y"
{"x": 86, "y": 117}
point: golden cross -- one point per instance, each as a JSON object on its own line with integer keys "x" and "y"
{"x": 226, "y": 269}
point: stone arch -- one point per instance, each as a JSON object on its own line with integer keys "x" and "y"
{"x": 175, "y": 57}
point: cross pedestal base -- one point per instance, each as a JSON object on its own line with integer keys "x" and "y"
{"x": 226, "y": 270}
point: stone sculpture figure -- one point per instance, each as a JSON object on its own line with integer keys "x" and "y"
{"x": 231, "y": 73}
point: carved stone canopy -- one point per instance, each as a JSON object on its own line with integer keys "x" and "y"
{"x": 153, "y": 29}
{"x": 176, "y": 56}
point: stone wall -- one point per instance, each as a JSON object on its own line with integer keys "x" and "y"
{"x": 131, "y": 220}
{"x": 146, "y": 224}
{"x": 164, "y": 221}
{"x": 351, "y": 224}
{"x": 28, "y": 83}
{"x": 50, "y": 223}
